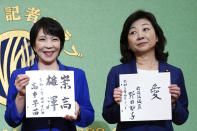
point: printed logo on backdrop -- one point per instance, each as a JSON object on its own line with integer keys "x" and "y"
{"x": 15, "y": 48}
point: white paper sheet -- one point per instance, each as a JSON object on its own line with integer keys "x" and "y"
{"x": 145, "y": 97}
{"x": 50, "y": 94}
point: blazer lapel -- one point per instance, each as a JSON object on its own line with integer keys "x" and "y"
{"x": 132, "y": 67}
{"x": 163, "y": 67}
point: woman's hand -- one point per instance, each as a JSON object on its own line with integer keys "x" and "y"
{"x": 175, "y": 92}
{"x": 117, "y": 95}
{"x": 77, "y": 113}
{"x": 21, "y": 82}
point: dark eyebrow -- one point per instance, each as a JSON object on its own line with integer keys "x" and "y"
{"x": 132, "y": 27}
{"x": 142, "y": 24}
{"x": 42, "y": 36}
{"x": 146, "y": 24}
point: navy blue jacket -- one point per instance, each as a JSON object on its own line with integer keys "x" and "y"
{"x": 56, "y": 124}
{"x": 111, "y": 110}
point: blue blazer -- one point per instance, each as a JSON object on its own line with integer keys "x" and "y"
{"x": 111, "y": 110}
{"x": 56, "y": 124}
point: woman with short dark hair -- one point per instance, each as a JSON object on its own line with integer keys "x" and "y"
{"x": 47, "y": 40}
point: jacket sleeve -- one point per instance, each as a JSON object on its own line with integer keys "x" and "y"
{"x": 11, "y": 115}
{"x": 111, "y": 110}
{"x": 82, "y": 97}
{"x": 180, "y": 113}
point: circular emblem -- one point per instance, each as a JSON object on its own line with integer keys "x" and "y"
{"x": 15, "y": 52}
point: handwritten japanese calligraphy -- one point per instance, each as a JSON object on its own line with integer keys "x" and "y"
{"x": 50, "y": 94}
{"x": 155, "y": 90}
{"x": 145, "y": 97}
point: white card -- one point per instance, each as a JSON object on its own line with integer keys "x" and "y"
{"x": 50, "y": 94}
{"x": 145, "y": 97}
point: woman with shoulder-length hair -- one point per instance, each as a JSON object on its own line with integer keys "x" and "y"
{"x": 142, "y": 45}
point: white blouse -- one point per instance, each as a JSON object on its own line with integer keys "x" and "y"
{"x": 140, "y": 71}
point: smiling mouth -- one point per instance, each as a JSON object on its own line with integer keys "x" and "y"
{"x": 48, "y": 53}
{"x": 141, "y": 44}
